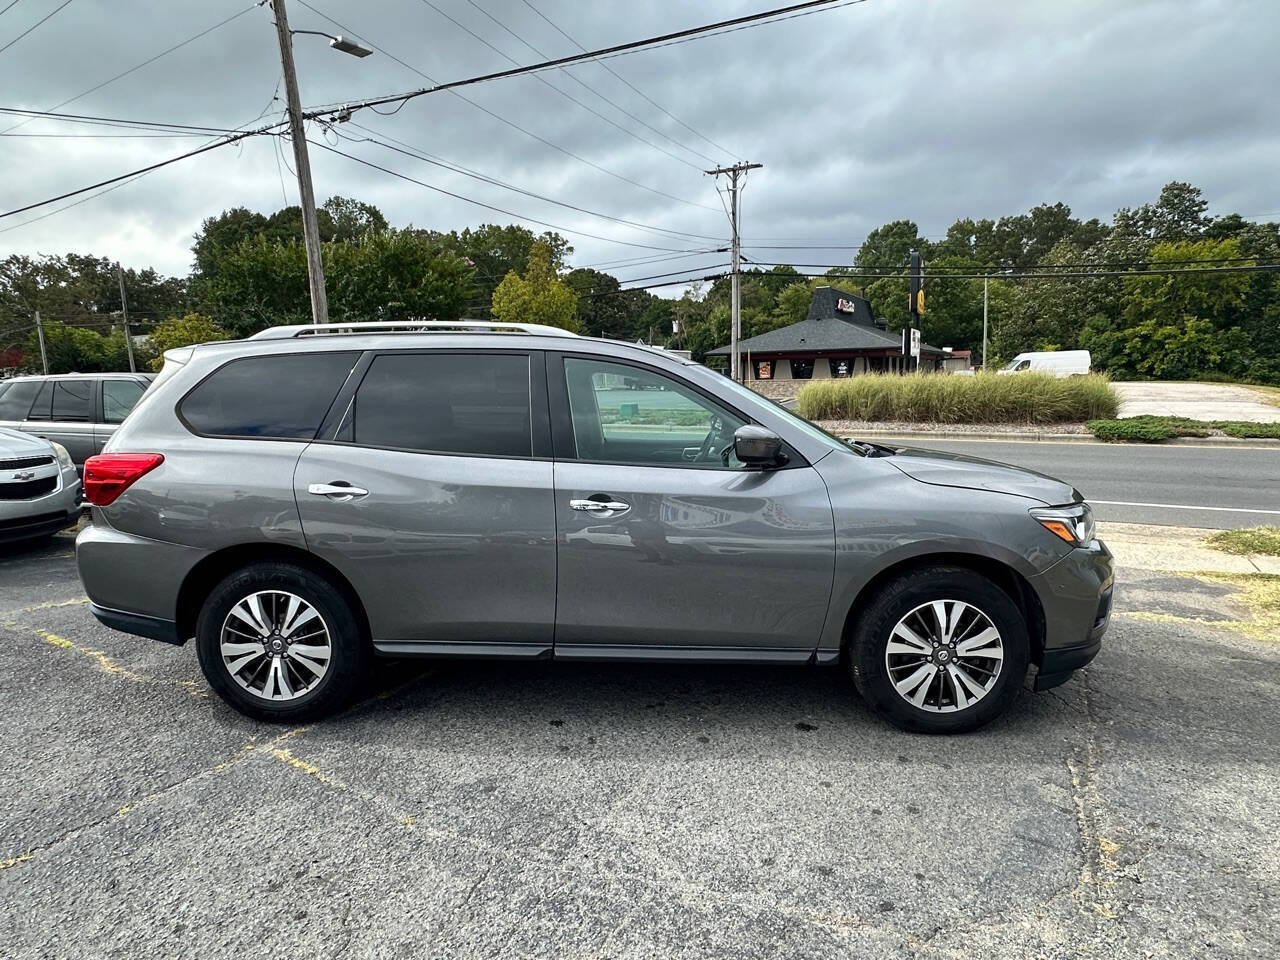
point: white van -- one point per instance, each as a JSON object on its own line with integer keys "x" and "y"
{"x": 1061, "y": 363}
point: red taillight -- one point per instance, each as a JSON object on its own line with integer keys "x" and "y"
{"x": 108, "y": 475}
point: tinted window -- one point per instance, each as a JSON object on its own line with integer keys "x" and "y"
{"x": 15, "y": 403}
{"x": 118, "y": 398}
{"x": 42, "y": 409}
{"x": 625, "y": 414}
{"x": 284, "y": 397}
{"x": 73, "y": 400}
{"x": 446, "y": 403}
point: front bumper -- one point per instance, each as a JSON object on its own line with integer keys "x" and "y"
{"x": 41, "y": 516}
{"x": 1076, "y": 596}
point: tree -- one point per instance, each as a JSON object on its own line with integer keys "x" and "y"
{"x": 494, "y": 251}
{"x": 888, "y": 247}
{"x": 351, "y": 219}
{"x": 180, "y": 332}
{"x": 69, "y": 349}
{"x": 540, "y": 296}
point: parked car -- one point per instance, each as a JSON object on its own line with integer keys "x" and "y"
{"x": 78, "y": 410}
{"x": 39, "y": 487}
{"x": 1061, "y": 363}
{"x": 302, "y": 500}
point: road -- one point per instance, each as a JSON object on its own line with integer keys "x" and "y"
{"x": 1182, "y": 486}
{"x": 585, "y": 810}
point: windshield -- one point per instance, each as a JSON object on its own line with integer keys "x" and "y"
{"x": 813, "y": 430}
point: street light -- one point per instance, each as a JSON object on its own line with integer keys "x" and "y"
{"x": 340, "y": 43}
{"x": 306, "y": 194}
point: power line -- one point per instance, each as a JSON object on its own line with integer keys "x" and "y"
{"x": 112, "y": 121}
{"x": 835, "y": 273}
{"x": 457, "y": 196}
{"x": 222, "y": 142}
{"x": 13, "y": 4}
{"x": 653, "y": 102}
{"x": 419, "y": 154}
{"x": 679, "y": 36}
{"x": 35, "y": 25}
{"x": 144, "y": 63}
{"x": 551, "y": 86}
{"x": 314, "y": 114}
{"x": 590, "y": 89}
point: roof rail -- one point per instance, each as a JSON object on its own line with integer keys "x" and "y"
{"x": 408, "y": 326}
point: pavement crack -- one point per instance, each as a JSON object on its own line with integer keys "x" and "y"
{"x": 1096, "y": 877}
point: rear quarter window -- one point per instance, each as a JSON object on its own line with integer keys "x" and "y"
{"x": 283, "y": 397}
{"x": 15, "y": 402}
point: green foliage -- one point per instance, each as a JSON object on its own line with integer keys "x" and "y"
{"x": 1146, "y": 429}
{"x": 1245, "y": 430}
{"x": 540, "y": 296}
{"x": 1153, "y": 429}
{"x": 495, "y": 251}
{"x": 180, "y": 332}
{"x": 1251, "y": 540}
{"x": 1030, "y": 398}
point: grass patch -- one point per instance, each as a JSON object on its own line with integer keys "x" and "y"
{"x": 1261, "y": 540}
{"x": 1151, "y": 429}
{"x": 1031, "y": 398}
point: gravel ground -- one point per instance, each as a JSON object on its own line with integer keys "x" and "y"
{"x": 553, "y": 810}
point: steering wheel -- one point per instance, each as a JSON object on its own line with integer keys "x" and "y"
{"x": 710, "y": 441}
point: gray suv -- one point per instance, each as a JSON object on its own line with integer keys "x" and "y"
{"x": 303, "y": 500}
{"x": 80, "y": 411}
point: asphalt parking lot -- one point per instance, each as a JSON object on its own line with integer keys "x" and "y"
{"x": 552, "y": 810}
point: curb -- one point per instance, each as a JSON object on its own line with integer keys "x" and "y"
{"x": 1026, "y": 436}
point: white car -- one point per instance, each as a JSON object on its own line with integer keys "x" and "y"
{"x": 39, "y": 487}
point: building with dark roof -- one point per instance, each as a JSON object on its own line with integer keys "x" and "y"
{"x": 838, "y": 338}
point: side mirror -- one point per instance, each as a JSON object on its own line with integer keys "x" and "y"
{"x": 758, "y": 447}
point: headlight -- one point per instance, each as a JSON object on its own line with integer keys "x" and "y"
{"x": 64, "y": 458}
{"x": 1074, "y": 524}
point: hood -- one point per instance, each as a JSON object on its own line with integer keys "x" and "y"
{"x": 15, "y": 444}
{"x": 972, "y": 473}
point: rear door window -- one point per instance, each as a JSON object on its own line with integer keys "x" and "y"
{"x": 73, "y": 401}
{"x": 118, "y": 398}
{"x": 283, "y": 397}
{"x": 15, "y": 402}
{"x": 450, "y": 403}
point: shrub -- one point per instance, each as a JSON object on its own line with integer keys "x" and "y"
{"x": 1245, "y": 430}
{"x": 943, "y": 398}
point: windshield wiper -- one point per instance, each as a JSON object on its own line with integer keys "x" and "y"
{"x": 870, "y": 449}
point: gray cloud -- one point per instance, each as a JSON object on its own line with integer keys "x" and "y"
{"x": 930, "y": 110}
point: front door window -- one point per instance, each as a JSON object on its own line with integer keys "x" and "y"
{"x": 625, "y": 414}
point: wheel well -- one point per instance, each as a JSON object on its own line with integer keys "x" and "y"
{"x": 210, "y": 571}
{"x": 1004, "y": 576}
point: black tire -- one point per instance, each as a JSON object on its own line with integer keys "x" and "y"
{"x": 870, "y": 635}
{"x": 349, "y": 647}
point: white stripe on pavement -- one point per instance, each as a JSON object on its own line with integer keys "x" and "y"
{"x": 1182, "y": 506}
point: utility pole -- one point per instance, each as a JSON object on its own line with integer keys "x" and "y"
{"x": 44, "y": 356}
{"x": 985, "y": 283}
{"x": 124, "y": 313}
{"x": 310, "y": 228}
{"x": 916, "y": 288}
{"x": 736, "y": 173}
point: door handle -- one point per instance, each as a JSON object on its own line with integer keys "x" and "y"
{"x": 339, "y": 491}
{"x": 599, "y": 506}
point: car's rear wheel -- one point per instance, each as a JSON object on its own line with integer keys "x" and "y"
{"x": 281, "y": 643}
{"x": 939, "y": 650}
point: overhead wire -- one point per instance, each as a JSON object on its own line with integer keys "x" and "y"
{"x": 592, "y": 90}
{"x": 150, "y": 60}
{"x": 314, "y": 114}
{"x": 31, "y": 29}
{"x": 650, "y": 100}
{"x": 457, "y": 196}
{"x": 422, "y": 155}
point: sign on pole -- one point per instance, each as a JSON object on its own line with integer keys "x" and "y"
{"x": 915, "y": 342}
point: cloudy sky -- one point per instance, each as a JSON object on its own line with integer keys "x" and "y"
{"x": 878, "y": 110}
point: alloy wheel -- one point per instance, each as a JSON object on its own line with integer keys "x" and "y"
{"x": 944, "y": 656}
{"x": 275, "y": 645}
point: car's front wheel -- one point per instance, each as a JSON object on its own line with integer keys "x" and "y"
{"x": 939, "y": 650}
{"x": 280, "y": 643}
